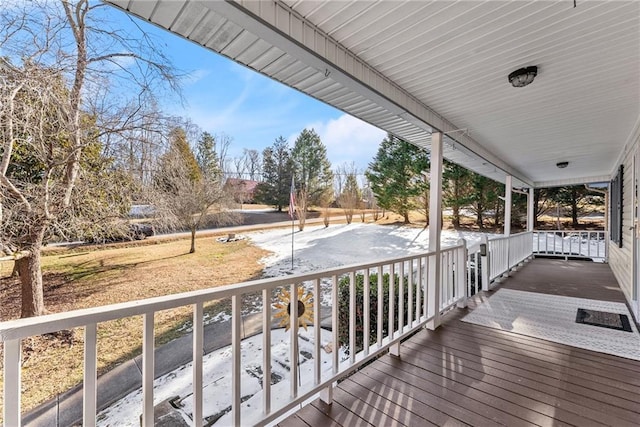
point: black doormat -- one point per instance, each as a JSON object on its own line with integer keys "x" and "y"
{"x": 603, "y": 319}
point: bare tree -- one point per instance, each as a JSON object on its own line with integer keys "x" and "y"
{"x": 252, "y": 164}
{"x": 186, "y": 195}
{"x": 370, "y": 201}
{"x": 239, "y": 165}
{"x": 57, "y": 57}
{"x": 223, "y": 142}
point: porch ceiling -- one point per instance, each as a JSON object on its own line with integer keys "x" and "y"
{"x": 412, "y": 67}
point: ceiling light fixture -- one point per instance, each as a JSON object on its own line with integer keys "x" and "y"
{"x": 562, "y": 165}
{"x": 523, "y": 76}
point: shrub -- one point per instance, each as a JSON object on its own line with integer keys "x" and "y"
{"x": 344, "y": 309}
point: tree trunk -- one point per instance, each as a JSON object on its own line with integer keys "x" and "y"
{"x": 193, "y": 241}
{"x": 30, "y": 270}
{"x": 479, "y": 220}
{"x": 574, "y": 208}
{"x": 456, "y": 204}
{"x": 301, "y": 209}
{"x": 456, "y": 216}
{"x": 406, "y": 217}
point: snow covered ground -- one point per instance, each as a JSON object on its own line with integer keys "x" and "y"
{"x": 217, "y": 396}
{"x": 318, "y": 248}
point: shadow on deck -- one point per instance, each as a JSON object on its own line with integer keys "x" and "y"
{"x": 465, "y": 374}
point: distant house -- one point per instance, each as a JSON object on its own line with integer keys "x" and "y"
{"x": 243, "y": 190}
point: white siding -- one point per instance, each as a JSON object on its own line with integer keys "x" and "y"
{"x": 621, "y": 259}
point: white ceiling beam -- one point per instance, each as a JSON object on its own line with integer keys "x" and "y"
{"x": 572, "y": 181}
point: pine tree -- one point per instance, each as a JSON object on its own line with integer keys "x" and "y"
{"x": 312, "y": 169}
{"x": 456, "y": 182}
{"x": 484, "y": 196}
{"x": 206, "y": 156}
{"x": 394, "y": 175}
{"x": 276, "y": 173}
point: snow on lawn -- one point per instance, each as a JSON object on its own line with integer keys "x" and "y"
{"x": 318, "y": 248}
{"x": 217, "y": 381}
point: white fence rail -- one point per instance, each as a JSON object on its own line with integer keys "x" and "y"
{"x": 565, "y": 244}
{"x": 507, "y": 252}
{"x": 363, "y": 341}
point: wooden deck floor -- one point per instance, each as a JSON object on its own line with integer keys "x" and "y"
{"x": 464, "y": 374}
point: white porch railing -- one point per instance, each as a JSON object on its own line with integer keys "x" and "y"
{"x": 507, "y": 252}
{"x": 565, "y": 244}
{"x": 413, "y": 272}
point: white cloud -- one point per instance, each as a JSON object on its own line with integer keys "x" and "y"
{"x": 348, "y": 139}
{"x": 195, "y": 76}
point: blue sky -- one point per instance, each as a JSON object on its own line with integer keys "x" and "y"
{"x": 225, "y": 97}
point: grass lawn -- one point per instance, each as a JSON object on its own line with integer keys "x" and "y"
{"x": 89, "y": 278}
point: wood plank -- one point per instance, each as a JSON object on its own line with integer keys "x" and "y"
{"x": 538, "y": 343}
{"x": 293, "y": 421}
{"x": 634, "y": 366}
{"x": 556, "y": 386}
{"x": 412, "y": 406}
{"x": 558, "y": 365}
{"x": 503, "y": 396}
{"x": 400, "y": 411}
{"x": 451, "y": 403}
{"x": 502, "y": 399}
{"x": 313, "y": 417}
{"x": 578, "y": 279}
{"x": 576, "y": 403}
{"x": 583, "y": 358}
{"x": 342, "y": 410}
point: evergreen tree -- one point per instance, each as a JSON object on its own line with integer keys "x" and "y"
{"x": 276, "y": 172}
{"x": 206, "y": 156}
{"x": 484, "y": 196}
{"x": 395, "y": 173}
{"x": 180, "y": 147}
{"x": 574, "y": 198}
{"x": 456, "y": 182}
{"x": 312, "y": 170}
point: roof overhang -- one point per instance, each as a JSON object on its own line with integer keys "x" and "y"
{"x": 411, "y": 68}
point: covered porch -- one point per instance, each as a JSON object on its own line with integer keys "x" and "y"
{"x": 463, "y": 373}
{"x": 435, "y": 74}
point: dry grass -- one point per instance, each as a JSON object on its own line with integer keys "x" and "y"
{"x": 73, "y": 280}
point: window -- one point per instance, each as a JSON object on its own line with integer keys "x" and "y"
{"x": 615, "y": 189}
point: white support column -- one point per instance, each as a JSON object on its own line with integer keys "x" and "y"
{"x": 508, "y": 190}
{"x": 531, "y": 211}
{"x": 435, "y": 214}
